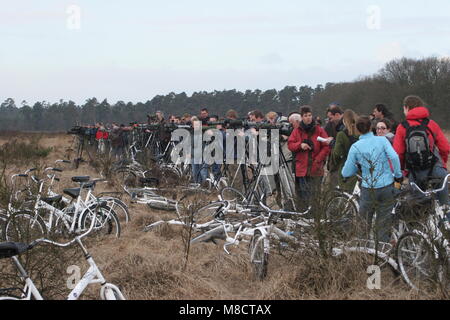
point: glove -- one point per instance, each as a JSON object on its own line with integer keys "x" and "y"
{"x": 399, "y": 180}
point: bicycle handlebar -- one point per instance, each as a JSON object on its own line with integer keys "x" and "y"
{"x": 427, "y": 193}
{"x": 63, "y": 161}
{"x": 53, "y": 169}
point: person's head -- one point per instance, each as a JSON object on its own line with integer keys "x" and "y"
{"x": 186, "y": 118}
{"x": 384, "y": 126}
{"x": 381, "y": 111}
{"x": 196, "y": 123}
{"x": 160, "y": 115}
{"x": 172, "y": 118}
{"x": 272, "y": 117}
{"x": 412, "y": 102}
{"x": 204, "y": 113}
{"x": 294, "y": 119}
{"x": 177, "y": 120}
{"x": 256, "y": 116}
{"x": 349, "y": 120}
{"x": 363, "y": 124}
{"x": 214, "y": 118}
{"x": 335, "y": 113}
{"x": 231, "y": 114}
{"x": 306, "y": 113}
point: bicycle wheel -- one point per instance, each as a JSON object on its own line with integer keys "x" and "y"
{"x": 341, "y": 211}
{"x": 111, "y": 292}
{"x": 258, "y": 255}
{"x": 169, "y": 176}
{"x": 416, "y": 261}
{"x": 3, "y": 219}
{"x": 127, "y": 176}
{"x": 119, "y": 207}
{"x": 215, "y": 210}
{"x": 106, "y": 222}
{"x": 232, "y": 195}
{"x": 24, "y": 227}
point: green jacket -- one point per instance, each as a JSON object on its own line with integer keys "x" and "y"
{"x": 339, "y": 156}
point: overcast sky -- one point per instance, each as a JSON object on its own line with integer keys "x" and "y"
{"x": 133, "y": 50}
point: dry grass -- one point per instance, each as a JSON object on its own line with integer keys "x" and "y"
{"x": 150, "y": 265}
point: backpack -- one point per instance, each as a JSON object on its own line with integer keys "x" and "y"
{"x": 419, "y": 155}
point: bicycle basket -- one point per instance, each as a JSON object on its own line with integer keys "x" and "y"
{"x": 414, "y": 207}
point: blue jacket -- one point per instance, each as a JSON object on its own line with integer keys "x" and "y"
{"x": 373, "y": 154}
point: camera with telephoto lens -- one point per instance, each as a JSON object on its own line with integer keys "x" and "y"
{"x": 77, "y": 130}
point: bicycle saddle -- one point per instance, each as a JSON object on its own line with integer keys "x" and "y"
{"x": 82, "y": 179}
{"x": 73, "y": 192}
{"x": 11, "y": 249}
{"x": 89, "y": 185}
{"x": 51, "y": 200}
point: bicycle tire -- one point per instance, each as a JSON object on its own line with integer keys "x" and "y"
{"x": 108, "y": 219}
{"x": 341, "y": 211}
{"x": 122, "y": 213}
{"x": 209, "y": 212}
{"x": 259, "y": 258}
{"x": 109, "y": 291}
{"x": 3, "y": 219}
{"x": 127, "y": 176}
{"x": 24, "y": 227}
{"x": 415, "y": 260}
{"x": 232, "y": 195}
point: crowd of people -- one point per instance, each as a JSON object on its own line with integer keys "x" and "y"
{"x": 378, "y": 147}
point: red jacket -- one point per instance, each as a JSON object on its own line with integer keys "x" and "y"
{"x": 441, "y": 141}
{"x": 101, "y": 135}
{"x": 309, "y": 163}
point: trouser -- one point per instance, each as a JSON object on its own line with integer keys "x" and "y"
{"x": 380, "y": 201}
{"x": 237, "y": 176}
{"x": 308, "y": 188}
{"x": 420, "y": 177}
{"x": 285, "y": 184}
{"x": 215, "y": 169}
{"x": 117, "y": 152}
{"x": 199, "y": 173}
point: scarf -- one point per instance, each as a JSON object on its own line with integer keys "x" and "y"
{"x": 308, "y": 128}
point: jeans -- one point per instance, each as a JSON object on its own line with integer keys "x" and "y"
{"x": 437, "y": 172}
{"x": 215, "y": 169}
{"x": 307, "y": 188}
{"x": 380, "y": 201}
{"x": 199, "y": 173}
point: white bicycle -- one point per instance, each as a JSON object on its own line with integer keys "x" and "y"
{"x": 92, "y": 276}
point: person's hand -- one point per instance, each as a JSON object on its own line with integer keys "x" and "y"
{"x": 399, "y": 180}
{"x": 305, "y": 147}
{"x": 329, "y": 140}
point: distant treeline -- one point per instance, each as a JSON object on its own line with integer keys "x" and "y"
{"x": 428, "y": 78}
